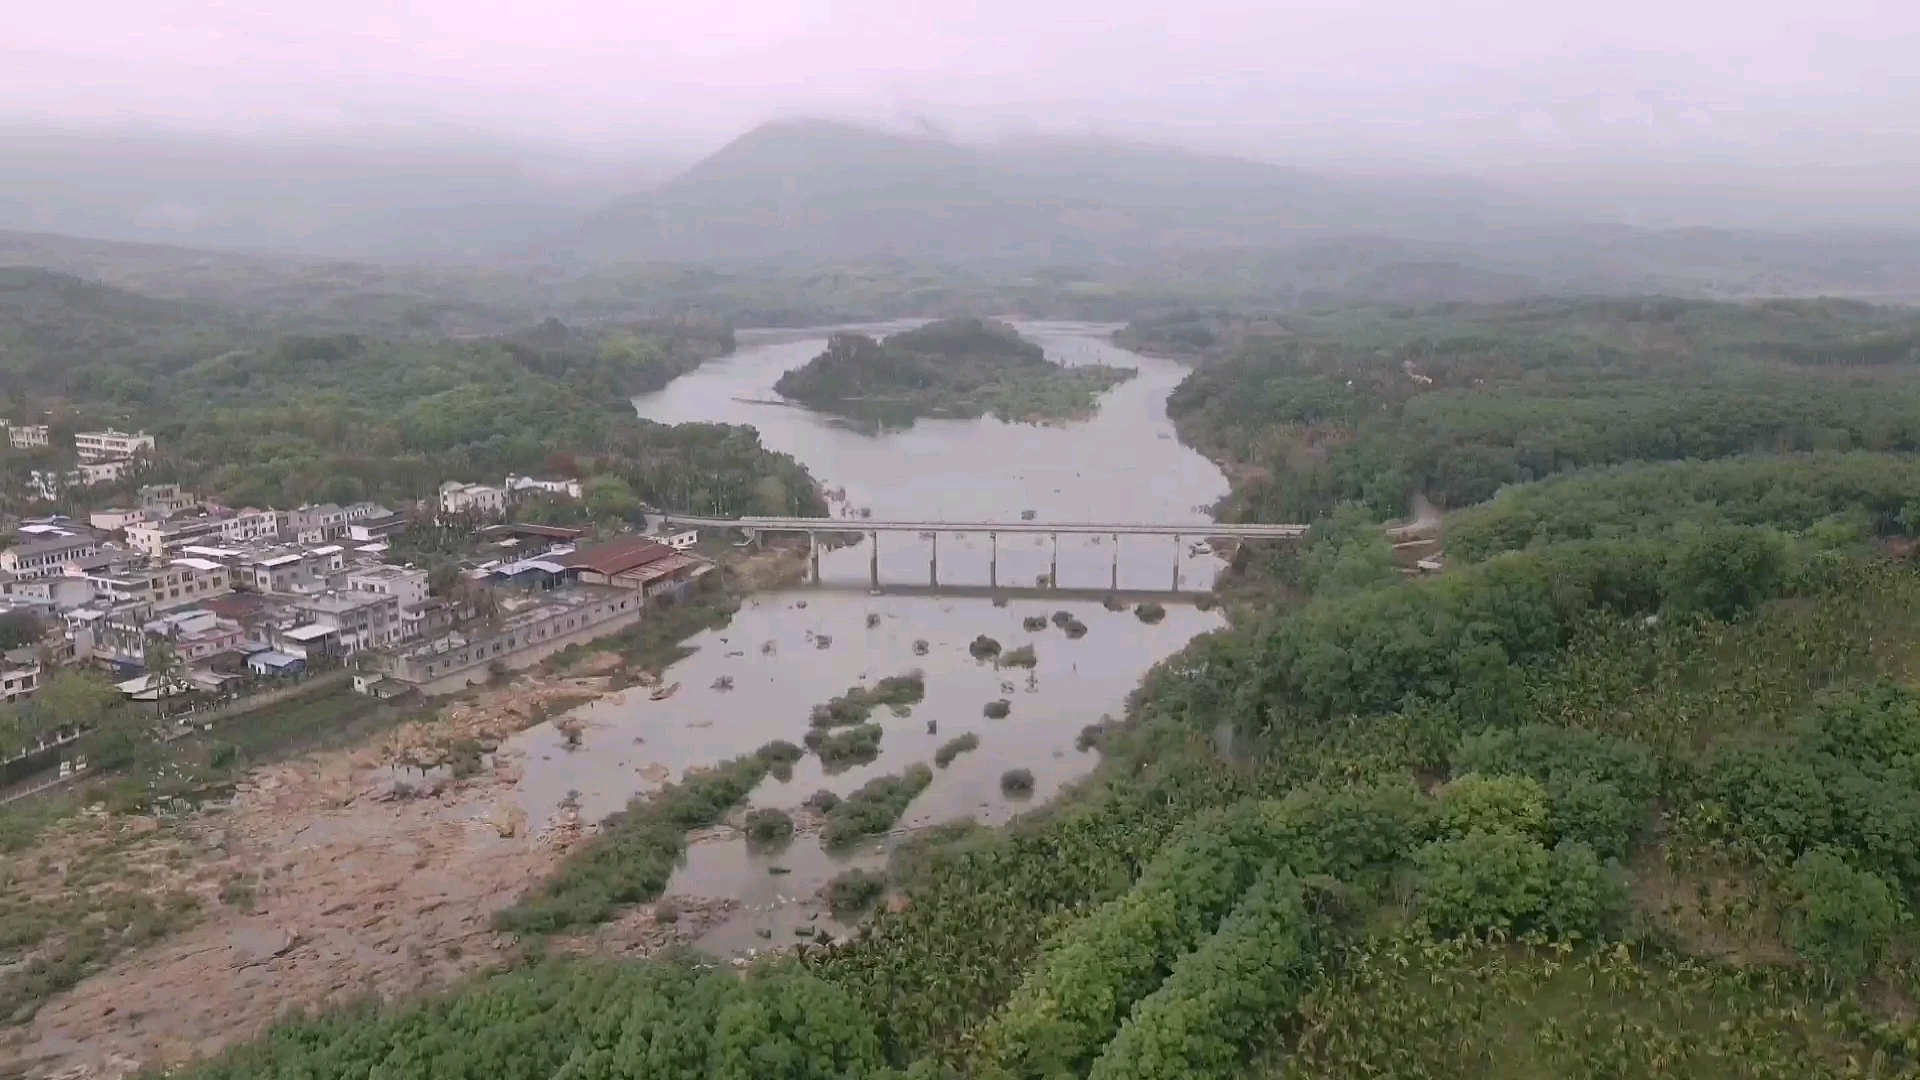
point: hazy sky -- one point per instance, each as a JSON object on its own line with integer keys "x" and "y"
{"x": 1794, "y": 80}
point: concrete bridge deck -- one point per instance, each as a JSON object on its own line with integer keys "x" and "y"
{"x": 1195, "y": 530}
{"x": 1199, "y": 530}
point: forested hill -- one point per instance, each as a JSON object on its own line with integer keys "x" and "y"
{"x": 263, "y": 417}
{"x": 1457, "y": 402}
{"x": 960, "y": 367}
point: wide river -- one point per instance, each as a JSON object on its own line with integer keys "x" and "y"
{"x": 787, "y": 651}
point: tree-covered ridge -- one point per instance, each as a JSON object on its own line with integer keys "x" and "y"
{"x": 278, "y": 420}
{"x": 962, "y": 368}
{"x": 1860, "y": 493}
{"x": 1457, "y": 404}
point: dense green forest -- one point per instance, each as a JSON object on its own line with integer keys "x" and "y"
{"x": 1372, "y": 406}
{"x": 1628, "y": 791}
{"x": 962, "y": 367}
{"x": 281, "y": 419}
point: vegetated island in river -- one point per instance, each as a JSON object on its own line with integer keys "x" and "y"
{"x": 954, "y": 368}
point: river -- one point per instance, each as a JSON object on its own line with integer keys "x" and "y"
{"x": 1124, "y": 464}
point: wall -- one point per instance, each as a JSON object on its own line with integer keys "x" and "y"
{"x": 529, "y": 655}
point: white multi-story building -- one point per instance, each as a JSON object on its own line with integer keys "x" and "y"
{"x": 178, "y": 582}
{"x": 26, "y": 436}
{"x": 527, "y": 485}
{"x": 47, "y": 557}
{"x": 115, "y": 518}
{"x": 405, "y": 582}
{"x": 108, "y": 444}
{"x": 473, "y": 500}
{"x": 159, "y": 538}
{"x": 250, "y": 524}
{"x": 107, "y": 471}
{"x": 19, "y": 682}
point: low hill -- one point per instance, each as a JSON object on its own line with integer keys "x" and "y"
{"x": 962, "y": 367}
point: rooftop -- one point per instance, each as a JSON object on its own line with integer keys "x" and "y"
{"x": 56, "y": 543}
{"x": 619, "y": 556}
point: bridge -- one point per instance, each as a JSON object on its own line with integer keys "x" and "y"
{"x": 754, "y": 527}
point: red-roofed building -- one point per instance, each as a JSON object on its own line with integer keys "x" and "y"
{"x": 635, "y": 564}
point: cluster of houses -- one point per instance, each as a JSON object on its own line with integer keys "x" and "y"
{"x": 242, "y": 594}
{"x": 105, "y": 457}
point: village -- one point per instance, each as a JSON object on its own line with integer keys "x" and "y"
{"x": 188, "y": 604}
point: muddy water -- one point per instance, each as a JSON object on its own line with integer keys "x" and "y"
{"x": 1121, "y": 465}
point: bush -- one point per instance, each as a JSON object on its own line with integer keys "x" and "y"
{"x": 1482, "y": 881}
{"x": 1075, "y": 629}
{"x": 1504, "y": 881}
{"x": 1022, "y": 657}
{"x": 768, "y": 828}
{"x": 875, "y": 807}
{"x": 854, "y": 891}
{"x": 1017, "y": 783}
{"x": 847, "y": 747}
{"x": 821, "y": 801}
{"x": 983, "y": 648}
{"x": 1725, "y": 571}
{"x": 997, "y": 709}
{"x": 1062, "y": 617}
{"x": 1509, "y": 804}
{"x": 954, "y": 747}
{"x": 780, "y": 751}
{"x": 1033, "y": 622}
{"x": 1842, "y": 918}
{"x": 1599, "y": 788}
{"x": 1149, "y": 612}
{"x": 858, "y": 703}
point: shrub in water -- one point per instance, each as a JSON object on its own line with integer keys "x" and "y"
{"x": 875, "y": 807}
{"x": 954, "y": 747}
{"x": 853, "y": 892}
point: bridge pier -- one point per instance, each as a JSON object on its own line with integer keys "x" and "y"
{"x": 1115, "y": 586}
{"x": 873, "y": 561}
{"x": 1053, "y": 568}
{"x": 813, "y": 556}
{"x": 933, "y": 562}
{"x": 1176, "y": 562}
{"x": 993, "y": 560}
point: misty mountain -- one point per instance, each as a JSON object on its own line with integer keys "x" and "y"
{"x": 819, "y": 189}
{"x": 422, "y": 197}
